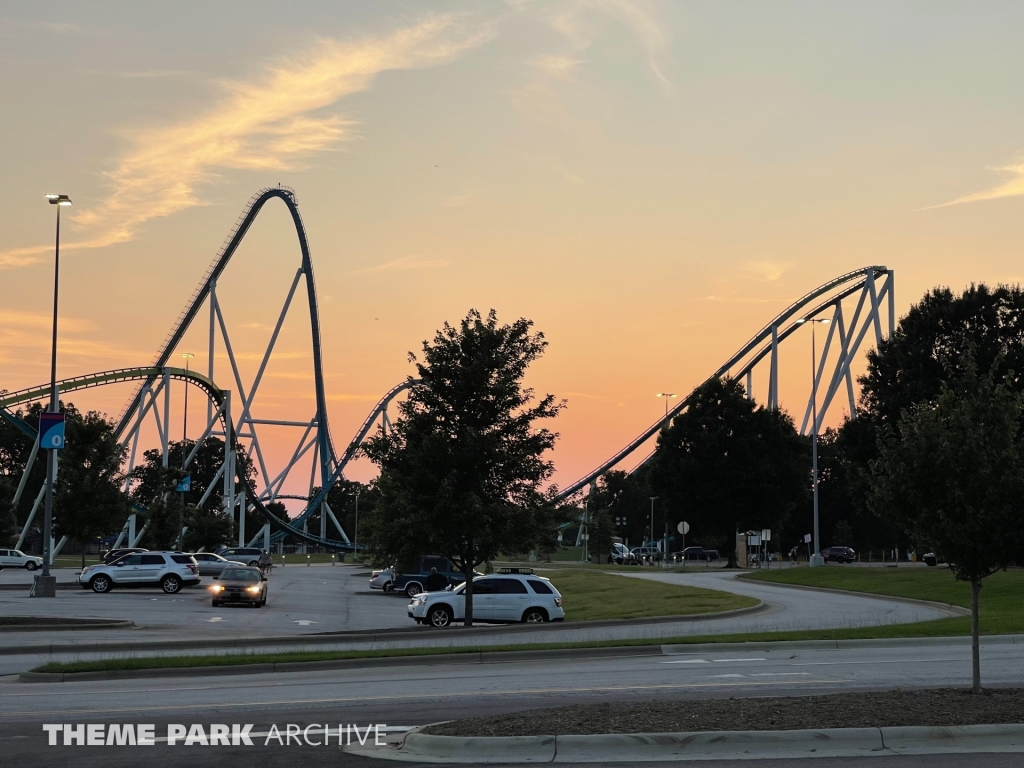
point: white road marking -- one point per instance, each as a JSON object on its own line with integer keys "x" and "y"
{"x": 216, "y": 618}
{"x": 305, "y": 622}
{"x": 872, "y": 661}
{"x": 688, "y": 661}
{"x": 723, "y": 661}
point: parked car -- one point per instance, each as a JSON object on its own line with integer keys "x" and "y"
{"x": 415, "y": 582}
{"x": 211, "y": 564}
{"x": 647, "y": 553}
{"x": 838, "y": 555}
{"x": 240, "y": 584}
{"x": 117, "y": 554}
{"x": 929, "y": 559}
{"x": 696, "y": 553}
{"x": 251, "y": 556}
{"x": 15, "y": 558}
{"x": 383, "y": 579}
{"x": 620, "y": 555}
{"x": 501, "y": 598}
{"x": 171, "y": 571}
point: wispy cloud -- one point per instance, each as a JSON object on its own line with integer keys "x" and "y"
{"x": 1013, "y": 187}
{"x": 408, "y": 263}
{"x": 559, "y": 66}
{"x": 271, "y": 123}
{"x": 766, "y": 270}
{"x": 43, "y": 320}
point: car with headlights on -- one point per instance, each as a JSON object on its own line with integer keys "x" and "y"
{"x": 241, "y": 584}
{"x": 511, "y": 595}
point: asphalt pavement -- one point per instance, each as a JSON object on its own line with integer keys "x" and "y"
{"x": 409, "y": 696}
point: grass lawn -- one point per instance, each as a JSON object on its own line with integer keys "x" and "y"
{"x": 593, "y": 595}
{"x": 1001, "y": 602}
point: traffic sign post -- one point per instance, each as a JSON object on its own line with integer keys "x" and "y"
{"x": 683, "y": 528}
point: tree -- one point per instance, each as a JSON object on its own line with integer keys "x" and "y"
{"x": 726, "y": 463}
{"x": 6, "y": 511}
{"x": 626, "y": 496}
{"x": 952, "y": 475}
{"x": 461, "y": 471}
{"x": 207, "y": 528}
{"x": 601, "y": 531}
{"x": 89, "y": 501}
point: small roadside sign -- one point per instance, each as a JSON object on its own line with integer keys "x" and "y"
{"x": 807, "y": 538}
{"x": 185, "y": 484}
{"x": 51, "y": 431}
{"x": 683, "y": 528}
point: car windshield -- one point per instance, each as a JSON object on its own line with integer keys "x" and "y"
{"x": 241, "y": 574}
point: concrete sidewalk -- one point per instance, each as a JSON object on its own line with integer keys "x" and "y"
{"x": 419, "y": 747}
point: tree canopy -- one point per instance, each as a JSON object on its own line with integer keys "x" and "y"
{"x": 461, "y": 472}
{"x": 952, "y": 475}
{"x": 726, "y": 463}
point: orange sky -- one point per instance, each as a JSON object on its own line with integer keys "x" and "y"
{"x": 650, "y": 183}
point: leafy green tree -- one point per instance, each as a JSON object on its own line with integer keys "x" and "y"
{"x": 163, "y": 518}
{"x": 461, "y": 472}
{"x": 207, "y": 529}
{"x": 89, "y": 501}
{"x": 625, "y": 496}
{"x": 602, "y": 532}
{"x": 951, "y": 473}
{"x": 15, "y": 447}
{"x": 7, "y": 489}
{"x": 729, "y": 464}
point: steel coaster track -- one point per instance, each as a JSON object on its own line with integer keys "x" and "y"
{"x": 793, "y": 312}
{"x": 150, "y": 373}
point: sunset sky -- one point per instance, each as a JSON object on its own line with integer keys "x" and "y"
{"x": 648, "y": 182}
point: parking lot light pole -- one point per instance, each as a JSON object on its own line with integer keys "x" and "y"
{"x": 652, "y": 517}
{"x": 668, "y": 396}
{"x": 45, "y": 585}
{"x": 355, "y": 535}
{"x": 816, "y": 559}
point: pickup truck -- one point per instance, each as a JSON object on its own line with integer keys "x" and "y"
{"x": 414, "y": 582}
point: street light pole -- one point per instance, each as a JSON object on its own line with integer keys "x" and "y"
{"x": 816, "y": 559}
{"x": 667, "y": 396}
{"x": 355, "y": 543}
{"x": 45, "y": 584}
{"x": 652, "y": 517}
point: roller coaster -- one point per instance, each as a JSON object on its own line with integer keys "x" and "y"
{"x": 230, "y": 413}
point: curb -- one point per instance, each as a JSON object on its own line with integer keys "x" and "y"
{"x": 26, "y": 587}
{"x": 361, "y": 636}
{"x": 498, "y": 657}
{"x": 955, "y": 610}
{"x": 702, "y": 745}
{"x": 473, "y": 657}
{"x": 85, "y": 624}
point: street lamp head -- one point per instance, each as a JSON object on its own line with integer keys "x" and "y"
{"x": 665, "y": 394}
{"x": 803, "y": 320}
{"x": 187, "y": 354}
{"x": 59, "y": 199}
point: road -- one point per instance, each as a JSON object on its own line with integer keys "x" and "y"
{"x": 415, "y": 695}
{"x": 310, "y": 601}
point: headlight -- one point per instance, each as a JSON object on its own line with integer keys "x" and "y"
{"x": 254, "y": 590}
{"x": 216, "y": 588}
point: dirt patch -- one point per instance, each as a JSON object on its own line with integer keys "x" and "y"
{"x": 948, "y": 706}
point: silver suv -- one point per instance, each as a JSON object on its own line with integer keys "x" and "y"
{"x": 171, "y": 571}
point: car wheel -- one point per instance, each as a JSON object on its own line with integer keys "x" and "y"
{"x": 171, "y": 584}
{"x": 253, "y": 563}
{"x": 215, "y": 603}
{"x": 413, "y": 589}
{"x": 389, "y": 587}
{"x": 31, "y": 565}
{"x": 101, "y": 583}
{"x": 535, "y": 616}
{"x": 441, "y": 616}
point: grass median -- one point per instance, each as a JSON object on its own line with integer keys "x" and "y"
{"x": 1000, "y": 603}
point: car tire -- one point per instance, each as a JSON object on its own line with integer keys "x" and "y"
{"x": 101, "y": 583}
{"x": 31, "y": 565}
{"x": 440, "y": 617}
{"x": 413, "y": 589}
{"x": 171, "y": 585}
{"x": 535, "y": 616}
{"x": 389, "y": 587}
{"x": 254, "y": 563}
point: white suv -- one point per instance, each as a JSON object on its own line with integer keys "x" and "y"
{"x": 14, "y": 558}
{"x": 511, "y": 595}
{"x": 171, "y": 571}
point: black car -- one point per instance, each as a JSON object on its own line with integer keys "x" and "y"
{"x": 117, "y": 554}
{"x": 696, "y": 553}
{"x": 240, "y": 585}
{"x": 838, "y": 555}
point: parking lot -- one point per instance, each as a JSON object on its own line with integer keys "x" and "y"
{"x": 301, "y": 599}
